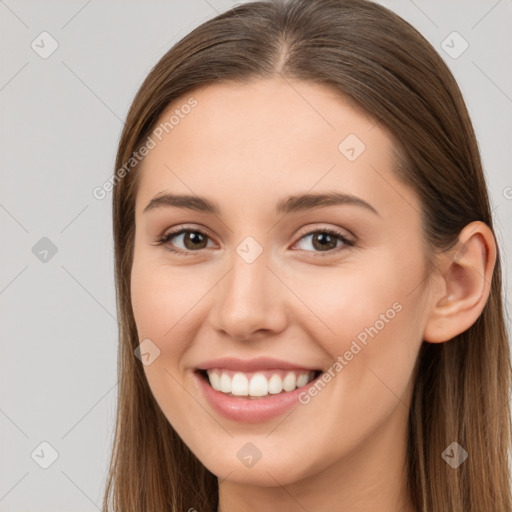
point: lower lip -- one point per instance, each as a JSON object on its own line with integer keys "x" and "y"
{"x": 251, "y": 410}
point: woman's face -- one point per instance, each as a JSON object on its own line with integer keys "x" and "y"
{"x": 260, "y": 278}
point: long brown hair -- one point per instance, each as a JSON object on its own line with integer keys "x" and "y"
{"x": 368, "y": 53}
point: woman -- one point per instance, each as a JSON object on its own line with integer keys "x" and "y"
{"x": 307, "y": 275}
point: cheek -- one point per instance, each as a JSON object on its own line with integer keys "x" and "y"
{"x": 160, "y": 302}
{"x": 371, "y": 315}
{"x": 161, "y": 297}
{"x": 159, "y": 307}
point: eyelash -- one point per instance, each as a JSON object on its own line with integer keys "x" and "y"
{"x": 168, "y": 236}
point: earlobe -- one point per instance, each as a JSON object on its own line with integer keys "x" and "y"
{"x": 466, "y": 273}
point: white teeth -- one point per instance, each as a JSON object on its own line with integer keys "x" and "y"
{"x": 290, "y": 382}
{"x": 257, "y": 384}
{"x": 302, "y": 380}
{"x": 215, "y": 381}
{"x": 239, "y": 384}
{"x": 275, "y": 385}
{"x": 225, "y": 383}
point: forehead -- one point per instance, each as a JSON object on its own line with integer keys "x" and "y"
{"x": 263, "y": 139}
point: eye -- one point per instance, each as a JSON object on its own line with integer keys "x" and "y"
{"x": 325, "y": 241}
{"x": 194, "y": 240}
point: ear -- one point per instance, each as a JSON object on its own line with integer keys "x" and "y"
{"x": 464, "y": 278}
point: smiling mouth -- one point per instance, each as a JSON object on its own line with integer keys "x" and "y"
{"x": 259, "y": 384}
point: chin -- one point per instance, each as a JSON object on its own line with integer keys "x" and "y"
{"x": 270, "y": 472}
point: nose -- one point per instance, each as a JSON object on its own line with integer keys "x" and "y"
{"x": 250, "y": 301}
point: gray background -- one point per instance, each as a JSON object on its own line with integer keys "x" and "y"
{"x": 61, "y": 120}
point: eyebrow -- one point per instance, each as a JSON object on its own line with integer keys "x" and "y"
{"x": 294, "y": 203}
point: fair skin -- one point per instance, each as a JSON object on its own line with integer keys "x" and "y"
{"x": 246, "y": 147}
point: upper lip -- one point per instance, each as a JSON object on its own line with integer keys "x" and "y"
{"x": 251, "y": 365}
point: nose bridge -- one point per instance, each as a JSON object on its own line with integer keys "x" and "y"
{"x": 249, "y": 298}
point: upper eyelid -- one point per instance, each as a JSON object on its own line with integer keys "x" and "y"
{"x": 180, "y": 229}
